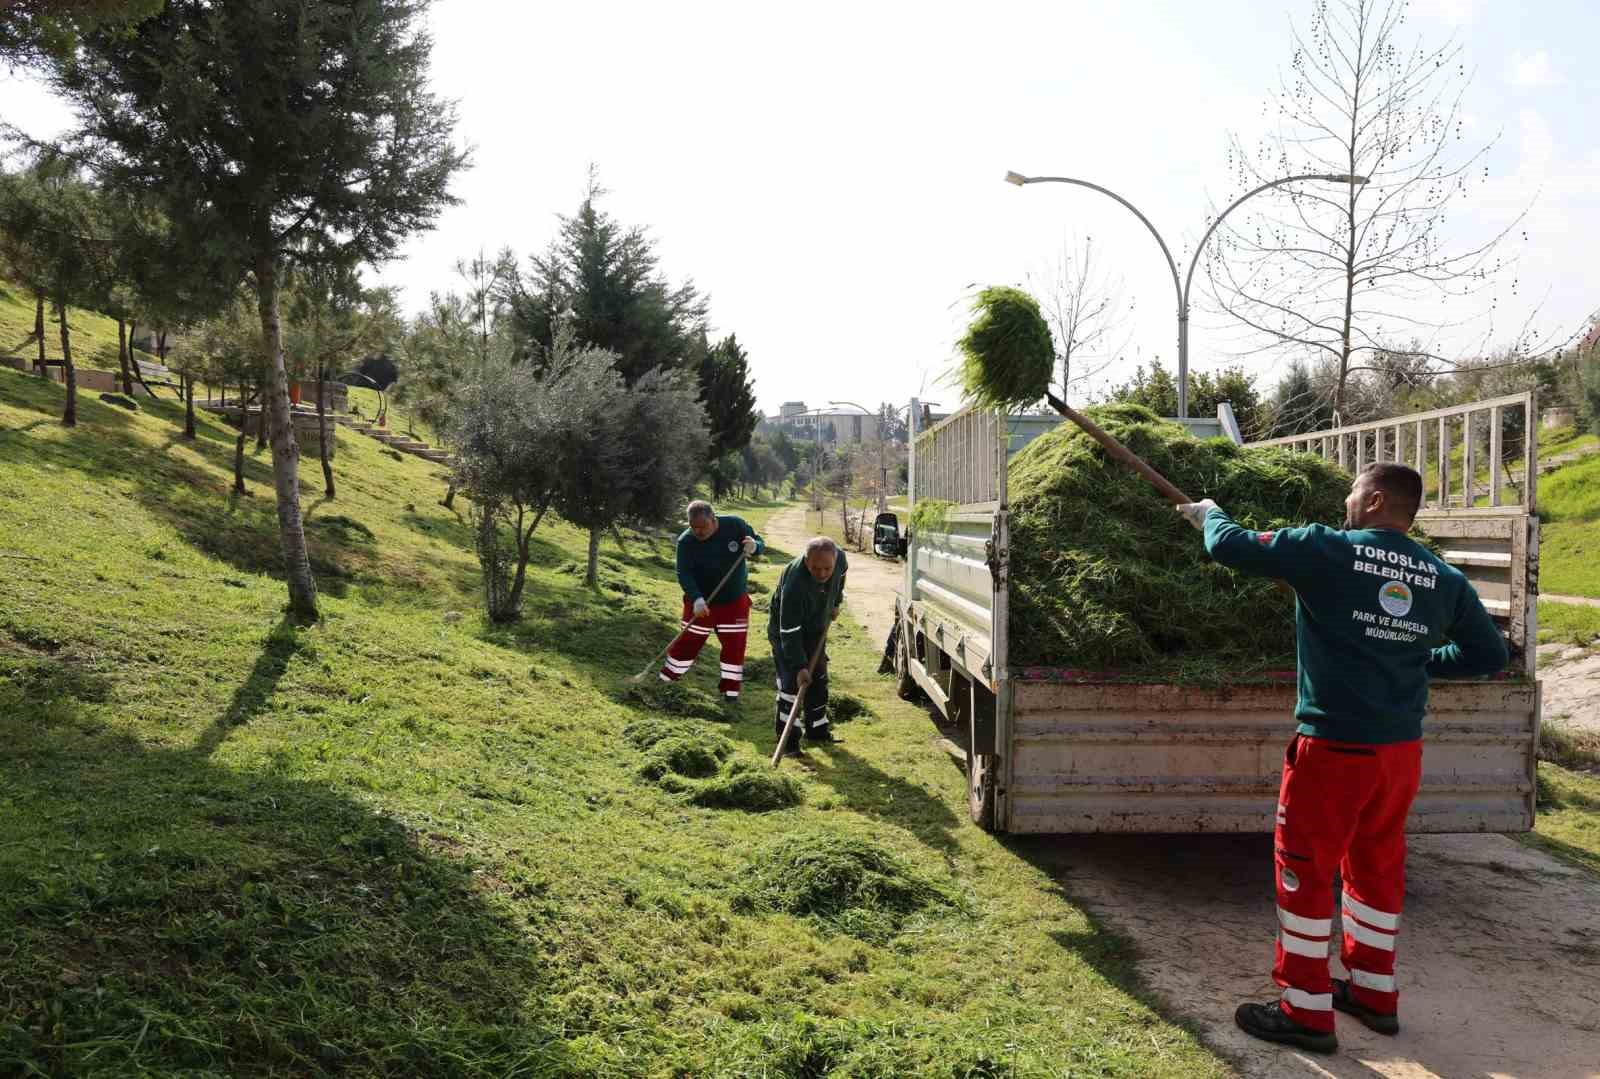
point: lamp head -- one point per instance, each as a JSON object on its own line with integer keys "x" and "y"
{"x": 1016, "y": 178}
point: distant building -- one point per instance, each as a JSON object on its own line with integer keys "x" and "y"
{"x": 790, "y": 409}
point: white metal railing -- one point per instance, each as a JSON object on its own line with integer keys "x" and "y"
{"x": 961, "y": 459}
{"x": 1445, "y": 443}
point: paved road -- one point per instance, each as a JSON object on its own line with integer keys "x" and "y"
{"x": 1499, "y": 955}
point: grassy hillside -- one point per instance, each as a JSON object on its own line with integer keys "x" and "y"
{"x": 1569, "y": 534}
{"x": 94, "y": 337}
{"x": 405, "y": 842}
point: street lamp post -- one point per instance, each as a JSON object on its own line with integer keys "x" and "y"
{"x": 1182, "y": 289}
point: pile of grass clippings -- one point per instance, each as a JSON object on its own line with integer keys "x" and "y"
{"x": 847, "y": 884}
{"x": 695, "y": 756}
{"x": 741, "y": 784}
{"x": 844, "y": 707}
{"x": 1106, "y": 577}
{"x": 671, "y": 699}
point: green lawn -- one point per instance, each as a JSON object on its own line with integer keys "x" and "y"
{"x": 1568, "y": 622}
{"x": 1569, "y": 815}
{"x": 1569, "y": 533}
{"x": 405, "y": 842}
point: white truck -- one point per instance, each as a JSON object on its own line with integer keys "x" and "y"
{"x": 1049, "y": 750}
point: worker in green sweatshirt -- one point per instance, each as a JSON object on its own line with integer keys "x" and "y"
{"x": 805, "y": 601}
{"x": 711, "y": 558}
{"x": 1377, "y": 616}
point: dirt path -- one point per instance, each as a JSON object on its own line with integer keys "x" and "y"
{"x": 872, "y": 582}
{"x": 1582, "y": 601}
{"x": 1499, "y": 954}
{"x": 1571, "y": 685}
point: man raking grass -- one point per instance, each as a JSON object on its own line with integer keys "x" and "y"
{"x": 711, "y": 563}
{"x": 804, "y": 605}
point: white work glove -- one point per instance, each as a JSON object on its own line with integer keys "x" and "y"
{"x": 750, "y": 546}
{"x": 1195, "y": 512}
{"x": 701, "y": 608}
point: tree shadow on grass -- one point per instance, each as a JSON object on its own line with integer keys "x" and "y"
{"x": 165, "y": 914}
{"x": 255, "y": 692}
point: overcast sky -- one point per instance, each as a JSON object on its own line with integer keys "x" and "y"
{"x": 831, "y": 176}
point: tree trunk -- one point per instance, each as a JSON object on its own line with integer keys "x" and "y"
{"x": 69, "y": 418}
{"x": 449, "y": 500}
{"x": 123, "y": 344}
{"x": 592, "y": 578}
{"x": 38, "y": 332}
{"x": 322, "y": 432}
{"x": 285, "y": 454}
{"x": 187, "y": 382}
{"x": 238, "y": 460}
{"x": 161, "y": 346}
{"x": 514, "y": 598}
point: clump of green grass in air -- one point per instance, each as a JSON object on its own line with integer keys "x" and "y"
{"x": 1006, "y": 354}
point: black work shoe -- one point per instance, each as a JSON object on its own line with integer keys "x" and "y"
{"x": 1382, "y": 1022}
{"x": 1272, "y": 1024}
{"x": 823, "y": 738}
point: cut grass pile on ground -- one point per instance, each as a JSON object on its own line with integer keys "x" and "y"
{"x": 406, "y": 842}
{"x": 851, "y": 885}
{"x": 1105, "y": 576}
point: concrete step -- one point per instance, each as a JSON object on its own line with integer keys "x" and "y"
{"x": 409, "y": 446}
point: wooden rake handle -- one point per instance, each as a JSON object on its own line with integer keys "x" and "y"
{"x": 800, "y": 691}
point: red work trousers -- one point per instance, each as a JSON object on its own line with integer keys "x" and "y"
{"x": 731, "y": 623}
{"x": 1342, "y": 806}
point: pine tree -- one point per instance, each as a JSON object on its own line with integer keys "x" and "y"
{"x": 271, "y": 135}
{"x": 603, "y": 280}
{"x": 729, "y": 397}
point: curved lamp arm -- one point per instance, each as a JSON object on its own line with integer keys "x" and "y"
{"x": 1020, "y": 180}
{"x": 1201, "y": 246}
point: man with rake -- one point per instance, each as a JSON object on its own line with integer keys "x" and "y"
{"x": 1378, "y": 615}
{"x": 711, "y": 558}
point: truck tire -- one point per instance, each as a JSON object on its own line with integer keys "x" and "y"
{"x": 982, "y": 770}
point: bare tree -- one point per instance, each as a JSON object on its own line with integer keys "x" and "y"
{"x": 1344, "y": 272}
{"x": 1083, "y": 304}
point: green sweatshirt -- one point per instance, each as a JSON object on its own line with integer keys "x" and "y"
{"x": 702, "y": 562}
{"x": 1374, "y": 614}
{"x": 798, "y": 614}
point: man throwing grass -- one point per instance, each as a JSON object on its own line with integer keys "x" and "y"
{"x": 806, "y": 600}
{"x": 1374, "y": 614}
{"x": 707, "y": 550}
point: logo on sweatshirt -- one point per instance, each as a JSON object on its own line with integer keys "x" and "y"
{"x": 1395, "y": 598}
